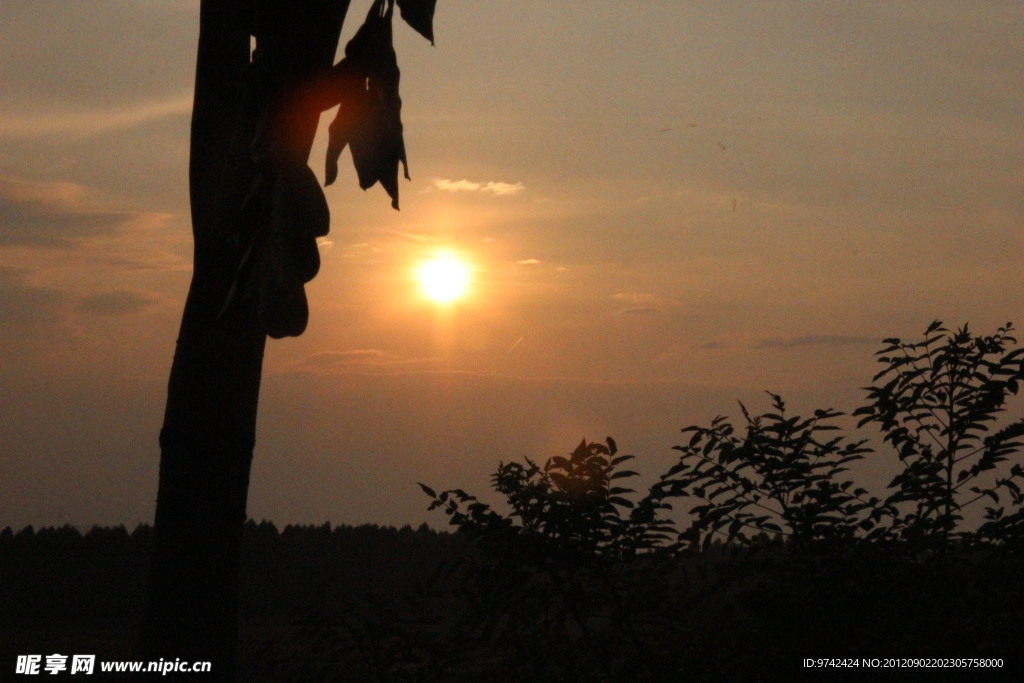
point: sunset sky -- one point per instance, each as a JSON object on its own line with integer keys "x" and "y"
{"x": 664, "y": 207}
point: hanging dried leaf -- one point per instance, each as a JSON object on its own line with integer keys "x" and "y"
{"x": 300, "y": 201}
{"x": 283, "y": 312}
{"x": 369, "y": 116}
{"x": 420, "y": 15}
{"x": 248, "y": 238}
{"x": 290, "y": 258}
{"x": 285, "y": 209}
{"x": 347, "y": 87}
{"x": 299, "y": 215}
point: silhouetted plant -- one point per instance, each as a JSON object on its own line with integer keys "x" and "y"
{"x": 583, "y": 577}
{"x": 550, "y": 582}
{"x": 935, "y": 402}
{"x": 781, "y": 477}
{"x": 574, "y": 504}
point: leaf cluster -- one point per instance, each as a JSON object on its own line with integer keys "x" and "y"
{"x": 566, "y": 569}
{"x": 935, "y": 402}
{"x": 281, "y": 94}
{"x": 576, "y": 503}
{"x": 584, "y": 574}
{"x": 782, "y": 476}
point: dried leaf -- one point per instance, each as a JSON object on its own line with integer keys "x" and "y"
{"x": 369, "y": 117}
{"x": 283, "y": 312}
{"x": 343, "y": 126}
{"x": 420, "y": 15}
{"x": 299, "y": 215}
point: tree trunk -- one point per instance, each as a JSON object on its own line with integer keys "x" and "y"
{"x": 209, "y": 426}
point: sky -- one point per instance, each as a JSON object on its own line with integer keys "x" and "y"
{"x": 667, "y": 207}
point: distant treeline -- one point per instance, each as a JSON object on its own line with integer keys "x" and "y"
{"x": 374, "y": 603}
{"x": 61, "y": 576}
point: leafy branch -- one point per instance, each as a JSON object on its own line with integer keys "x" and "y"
{"x": 934, "y": 401}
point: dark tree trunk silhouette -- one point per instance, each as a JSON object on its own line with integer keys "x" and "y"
{"x": 209, "y": 426}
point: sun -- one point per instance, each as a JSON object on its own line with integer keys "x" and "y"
{"x": 443, "y": 279}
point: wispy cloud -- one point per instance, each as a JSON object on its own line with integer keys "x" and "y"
{"x": 117, "y": 303}
{"x": 24, "y": 303}
{"x": 26, "y": 191}
{"x": 643, "y": 303}
{"x": 641, "y": 311}
{"x": 416, "y": 238}
{"x": 363, "y": 360}
{"x": 54, "y": 214}
{"x": 83, "y": 124}
{"x": 641, "y": 297}
{"x": 323, "y": 358}
{"x": 493, "y": 187}
{"x": 813, "y": 340}
{"x": 528, "y": 262}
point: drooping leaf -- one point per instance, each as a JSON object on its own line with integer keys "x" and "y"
{"x": 420, "y": 15}
{"x": 299, "y": 215}
{"x": 369, "y": 116}
{"x": 347, "y": 87}
{"x": 283, "y": 312}
{"x": 286, "y": 211}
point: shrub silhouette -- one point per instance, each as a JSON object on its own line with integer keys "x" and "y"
{"x": 781, "y": 477}
{"x": 545, "y": 588}
{"x": 788, "y": 476}
{"x": 758, "y": 543}
{"x": 935, "y": 401}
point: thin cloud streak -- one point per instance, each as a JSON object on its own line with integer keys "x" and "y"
{"x": 365, "y": 360}
{"x": 642, "y": 311}
{"x": 57, "y": 214}
{"x": 24, "y": 303}
{"x": 19, "y": 190}
{"x": 644, "y": 302}
{"x": 88, "y": 123}
{"x": 814, "y": 340}
{"x": 117, "y": 303}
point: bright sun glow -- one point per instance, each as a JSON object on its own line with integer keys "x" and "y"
{"x": 443, "y": 279}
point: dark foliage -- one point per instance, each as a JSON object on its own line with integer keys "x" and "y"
{"x": 936, "y": 401}
{"x": 369, "y": 115}
{"x": 283, "y": 90}
{"x": 755, "y": 550}
{"x": 420, "y": 15}
{"x": 65, "y": 591}
{"x": 781, "y": 552}
{"x": 782, "y": 476}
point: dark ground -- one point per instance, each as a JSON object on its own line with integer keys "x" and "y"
{"x": 375, "y": 603}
